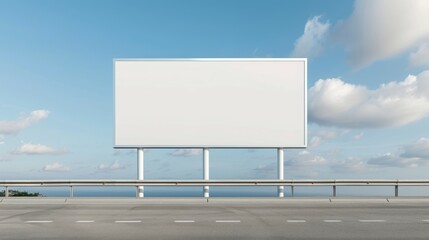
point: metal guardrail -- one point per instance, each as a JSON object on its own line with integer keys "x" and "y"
{"x": 291, "y": 183}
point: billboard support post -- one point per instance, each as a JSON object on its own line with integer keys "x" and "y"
{"x": 140, "y": 171}
{"x": 206, "y": 170}
{"x": 280, "y": 168}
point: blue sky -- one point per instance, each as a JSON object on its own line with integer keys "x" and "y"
{"x": 368, "y": 89}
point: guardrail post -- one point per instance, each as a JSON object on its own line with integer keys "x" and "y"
{"x": 292, "y": 191}
{"x": 206, "y": 159}
{"x": 280, "y": 168}
{"x": 334, "y": 190}
{"x": 140, "y": 171}
{"x": 6, "y": 191}
{"x": 71, "y": 191}
{"x": 396, "y": 190}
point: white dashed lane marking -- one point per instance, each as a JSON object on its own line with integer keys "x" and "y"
{"x": 228, "y": 221}
{"x": 296, "y": 221}
{"x": 372, "y": 221}
{"x": 225, "y": 221}
{"x": 128, "y": 221}
{"x": 45, "y": 221}
{"x": 184, "y": 221}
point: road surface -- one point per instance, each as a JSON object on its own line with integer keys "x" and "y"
{"x": 216, "y": 218}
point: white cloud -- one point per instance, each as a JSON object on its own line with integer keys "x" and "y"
{"x": 315, "y": 142}
{"x": 186, "y": 152}
{"x": 259, "y": 53}
{"x": 56, "y": 167}
{"x": 421, "y": 56}
{"x": 394, "y": 160}
{"x": 328, "y": 134}
{"x": 378, "y": 29}
{"x": 419, "y": 149}
{"x": 15, "y": 126}
{"x": 307, "y": 164}
{"x": 358, "y": 136}
{"x": 306, "y": 159}
{"x": 311, "y": 42}
{"x": 266, "y": 169}
{"x": 38, "y": 149}
{"x": 321, "y": 136}
{"x": 112, "y": 166}
{"x": 124, "y": 152}
{"x": 412, "y": 155}
{"x": 303, "y": 164}
{"x": 350, "y": 164}
{"x": 333, "y": 102}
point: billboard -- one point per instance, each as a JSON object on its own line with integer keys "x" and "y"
{"x": 214, "y": 103}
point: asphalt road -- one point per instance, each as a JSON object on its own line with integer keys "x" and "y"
{"x": 292, "y": 218}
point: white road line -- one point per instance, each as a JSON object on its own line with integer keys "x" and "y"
{"x": 296, "y": 221}
{"x": 425, "y": 220}
{"x": 332, "y": 221}
{"x": 45, "y": 221}
{"x": 129, "y": 221}
{"x": 228, "y": 221}
{"x": 84, "y": 221}
{"x": 371, "y": 221}
{"x": 184, "y": 221}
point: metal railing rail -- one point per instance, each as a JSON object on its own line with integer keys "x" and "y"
{"x": 6, "y": 184}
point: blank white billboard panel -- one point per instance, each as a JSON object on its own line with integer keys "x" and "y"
{"x": 222, "y": 103}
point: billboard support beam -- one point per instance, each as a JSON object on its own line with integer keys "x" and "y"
{"x": 206, "y": 170}
{"x": 140, "y": 171}
{"x": 280, "y": 168}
